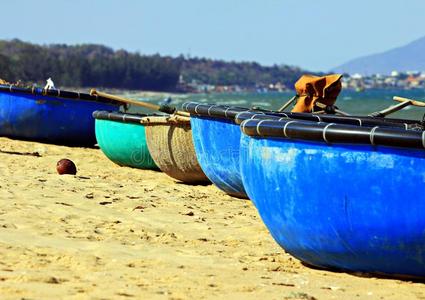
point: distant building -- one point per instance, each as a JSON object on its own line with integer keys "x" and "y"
{"x": 395, "y": 73}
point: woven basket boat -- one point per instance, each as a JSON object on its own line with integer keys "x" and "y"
{"x": 339, "y": 196}
{"x": 169, "y": 140}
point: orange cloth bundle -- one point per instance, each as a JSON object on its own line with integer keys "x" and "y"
{"x": 4, "y": 82}
{"x": 311, "y": 89}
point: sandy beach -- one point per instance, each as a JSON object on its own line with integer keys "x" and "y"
{"x": 113, "y": 232}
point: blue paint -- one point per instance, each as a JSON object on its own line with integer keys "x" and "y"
{"x": 355, "y": 208}
{"x": 216, "y": 144}
{"x": 49, "y": 119}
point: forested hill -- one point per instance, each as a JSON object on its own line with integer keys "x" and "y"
{"x": 99, "y": 66}
{"x": 250, "y": 74}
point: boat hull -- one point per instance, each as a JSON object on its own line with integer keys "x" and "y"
{"x": 216, "y": 137}
{"x": 124, "y": 143}
{"x": 355, "y": 208}
{"x": 216, "y": 142}
{"x": 49, "y": 119}
{"x": 171, "y": 147}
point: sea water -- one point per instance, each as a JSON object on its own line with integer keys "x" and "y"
{"x": 352, "y": 102}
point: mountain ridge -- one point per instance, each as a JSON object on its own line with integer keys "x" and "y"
{"x": 410, "y": 57}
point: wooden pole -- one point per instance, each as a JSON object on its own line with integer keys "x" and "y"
{"x": 391, "y": 109}
{"x": 412, "y": 102}
{"x": 93, "y": 92}
{"x": 285, "y": 106}
{"x": 163, "y": 108}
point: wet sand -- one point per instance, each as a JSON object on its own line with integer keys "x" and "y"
{"x": 113, "y": 232}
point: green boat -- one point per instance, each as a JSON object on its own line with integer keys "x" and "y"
{"x": 122, "y": 138}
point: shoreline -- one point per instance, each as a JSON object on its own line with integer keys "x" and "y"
{"x": 115, "y": 232}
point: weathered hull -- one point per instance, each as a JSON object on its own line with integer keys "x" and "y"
{"x": 124, "y": 143}
{"x": 216, "y": 143}
{"x": 49, "y": 119}
{"x": 171, "y": 147}
{"x": 351, "y": 207}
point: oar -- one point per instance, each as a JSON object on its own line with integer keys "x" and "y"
{"x": 162, "y": 108}
{"x": 404, "y": 102}
{"x": 392, "y": 109}
{"x": 288, "y": 103}
{"x": 411, "y": 101}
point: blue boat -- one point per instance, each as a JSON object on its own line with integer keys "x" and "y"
{"x": 216, "y": 140}
{"x": 52, "y": 116}
{"x": 339, "y": 196}
{"x": 216, "y": 137}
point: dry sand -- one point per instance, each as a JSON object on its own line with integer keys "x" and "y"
{"x": 119, "y": 233}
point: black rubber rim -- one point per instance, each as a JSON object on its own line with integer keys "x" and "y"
{"x": 118, "y": 117}
{"x": 56, "y": 93}
{"x": 239, "y": 114}
{"x": 333, "y": 133}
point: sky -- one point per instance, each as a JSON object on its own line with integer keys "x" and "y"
{"x": 314, "y": 35}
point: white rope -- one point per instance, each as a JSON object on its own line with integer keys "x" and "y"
{"x": 196, "y": 108}
{"x": 210, "y": 108}
{"x": 372, "y": 135}
{"x": 360, "y": 121}
{"x": 239, "y": 114}
{"x": 225, "y": 112}
{"x": 243, "y": 125}
{"x": 284, "y": 118}
{"x": 324, "y": 132}
{"x": 258, "y": 127}
{"x": 284, "y": 128}
{"x": 423, "y": 139}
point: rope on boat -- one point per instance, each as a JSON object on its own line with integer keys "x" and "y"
{"x": 372, "y": 135}
{"x": 166, "y": 120}
{"x": 423, "y": 139}
{"x": 324, "y": 132}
